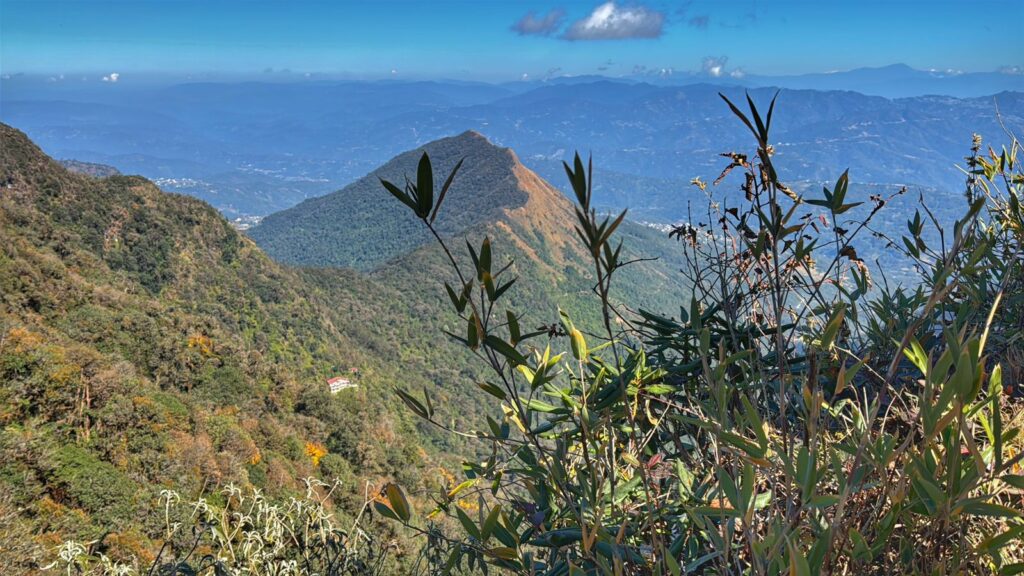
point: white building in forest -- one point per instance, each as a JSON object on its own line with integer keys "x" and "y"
{"x": 339, "y": 383}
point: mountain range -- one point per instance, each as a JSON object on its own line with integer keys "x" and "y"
{"x": 254, "y": 148}
{"x": 892, "y": 81}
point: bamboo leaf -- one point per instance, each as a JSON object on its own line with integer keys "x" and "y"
{"x": 398, "y": 501}
{"x": 505, "y": 349}
{"x": 444, "y": 190}
{"x": 490, "y": 522}
{"x": 467, "y": 524}
{"x": 398, "y": 193}
{"x": 424, "y": 187}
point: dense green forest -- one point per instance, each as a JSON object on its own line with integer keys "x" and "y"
{"x": 146, "y": 345}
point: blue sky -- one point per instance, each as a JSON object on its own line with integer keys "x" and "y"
{"x": 492, "y": 40}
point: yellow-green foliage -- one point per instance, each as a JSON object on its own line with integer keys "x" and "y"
{"x": 145, "y": 345}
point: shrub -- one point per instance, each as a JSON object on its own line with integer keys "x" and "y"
{"x": 95, "y": 486}
{"x": 246, "y": 534}
{"x": 794, "y": 418}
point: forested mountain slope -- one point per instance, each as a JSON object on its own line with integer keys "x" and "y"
{"x": 145, "y": 344}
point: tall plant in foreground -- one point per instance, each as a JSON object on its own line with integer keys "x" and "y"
{"x": 793, "y": 418}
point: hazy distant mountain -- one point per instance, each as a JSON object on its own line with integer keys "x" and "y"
{"x": 900, "y": 81}
{"x": 672, "y": 134}
{"x": 255, "y": 148}
{"x": 893, "y": 81}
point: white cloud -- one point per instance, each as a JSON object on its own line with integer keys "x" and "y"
{"x": 737, "y": 73}
{"x": 112, "y": 77}
{"x": 714, "y": 66}
{"x": 611, "y": 22}
{"x": 536, "y": 25}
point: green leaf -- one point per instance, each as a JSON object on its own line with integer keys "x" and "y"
{"x": 623, "y": 489}
{"x": 997, "y": 541}
{"x": 424, "y": 187}
{"x": 412, "y": 403}
{"x": 428, "y": 403}
{"x": 930, "y": 494}
{"x": 444, "y": 190}
{"x": 916, "y": 354}
{"x": 979, "y": 508}
{"x": 384, "y": 511}
{"x": 490, "y": 522}
{"x": 493, "y": 390}
{"x": 673, "y": 565}
{"x": 503, "y": 553}
{"x": 740, "y": 115}
{"x": 457, "y": 302}
{"x": 828, "y": 335}
{"x": 1015, "y": 480}
{"x": 541, "y": 406}
{"x": 502, "y": 289}
{"x": 473, "y": 331}
{"x": 846, "y": 376}
{"x": 798, "y": 565}
{"x": 1012, "y": 569}
{"x": 728, "y": 486}
{"x": 467, "y": 524}
{"x": 398, "y": 193}
{"x": 513, "y": 327}
{"x": 996, "y": 391}
{"x": 399, "y": 503}
{"x": 846, "y": 207}
{"x": 579, "y": 344}
{"x": 762, "y": 132}
{"x": 483, "y": 265}
{"x": 752, "y": 416}
{"x": 505, "y": 349}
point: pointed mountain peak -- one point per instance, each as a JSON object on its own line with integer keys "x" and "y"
{"x": 470, "y": 145}
{"x": 491, "y": 187}
{"x": 472, "y": 135}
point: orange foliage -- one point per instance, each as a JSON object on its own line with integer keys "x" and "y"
{"x": 23, "y": 339}
{"x": 203, "y": 343}
{"x": 315, "y": 451}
